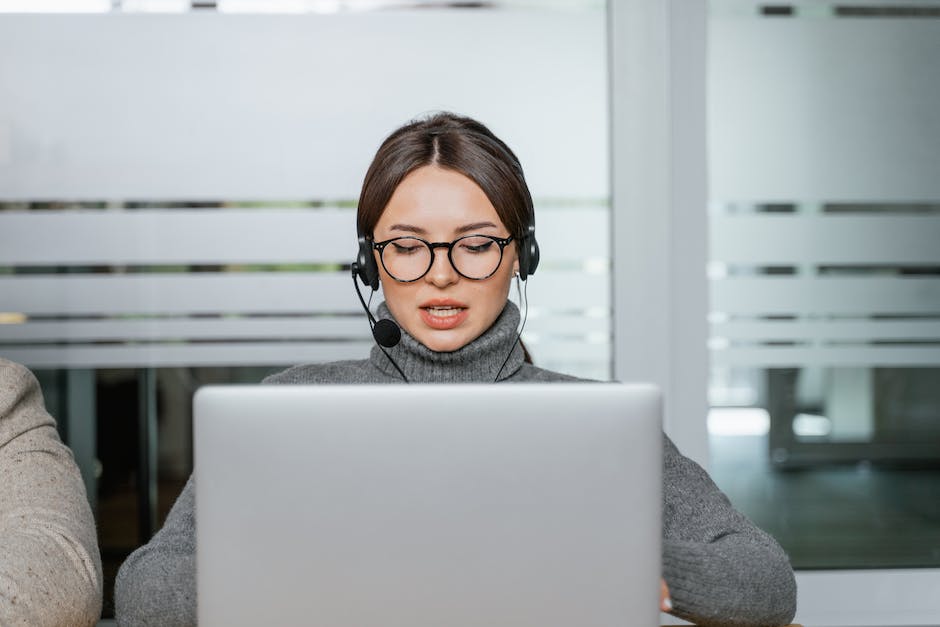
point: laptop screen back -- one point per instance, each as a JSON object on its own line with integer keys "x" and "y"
{"x": 428, "y": 505}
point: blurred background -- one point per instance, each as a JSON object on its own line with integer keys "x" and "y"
{"x": 737, "y": 200}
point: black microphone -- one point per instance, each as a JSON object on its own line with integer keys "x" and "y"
{"x": 386, "y": 332}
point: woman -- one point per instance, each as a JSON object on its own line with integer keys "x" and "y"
{"x": 50, "y": 568}
{"x": 445, "y": 222}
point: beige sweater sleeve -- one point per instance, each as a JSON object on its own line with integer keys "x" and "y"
{"x": 50, "y": 567}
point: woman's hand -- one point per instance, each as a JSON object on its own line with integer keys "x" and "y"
{"x": 665, "y": 603}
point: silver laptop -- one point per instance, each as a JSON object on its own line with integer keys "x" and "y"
{"x": 529, "y": 505}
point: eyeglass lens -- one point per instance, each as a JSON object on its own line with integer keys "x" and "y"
{"x": 410, "y": 258}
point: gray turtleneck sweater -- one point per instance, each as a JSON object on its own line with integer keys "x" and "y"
{"x": 720, "y": 568}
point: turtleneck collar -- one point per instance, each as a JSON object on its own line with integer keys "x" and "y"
{"x": 478, "y": 361}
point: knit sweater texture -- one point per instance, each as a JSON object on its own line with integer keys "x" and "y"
{"x": 720, "y": 568}
{"x": 50, "y": 568}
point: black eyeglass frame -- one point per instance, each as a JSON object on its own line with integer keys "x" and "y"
{"x": 502, "y": 242}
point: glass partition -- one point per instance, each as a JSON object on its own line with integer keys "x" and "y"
{"x": 825, "y": 277}
{"x": 158, "y": 206}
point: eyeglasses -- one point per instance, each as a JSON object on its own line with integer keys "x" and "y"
{"x": 475, "y": 257}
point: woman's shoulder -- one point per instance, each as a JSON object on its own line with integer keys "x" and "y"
{"x": 21, "y": 405}
{"x": 533, "y": 374}
{"x": 347, "y": 371}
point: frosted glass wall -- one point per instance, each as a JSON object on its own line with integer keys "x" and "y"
{"x": 825, "y": 276}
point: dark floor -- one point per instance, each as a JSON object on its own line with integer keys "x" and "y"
{"x": 832, "y": 517}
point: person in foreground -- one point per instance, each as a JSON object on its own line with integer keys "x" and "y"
{"x": 50, "y": 568}
{"x": 445, "y": 222}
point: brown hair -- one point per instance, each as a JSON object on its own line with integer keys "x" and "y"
{"x": 455, "y": 143}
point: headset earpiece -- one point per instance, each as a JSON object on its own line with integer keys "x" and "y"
{"x": 528, "y": 253}
{"x": 366, "y": 268}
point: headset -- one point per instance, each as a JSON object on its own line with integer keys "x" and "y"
{"x": 367, "y": 269}
{"x": 387, "y": 334}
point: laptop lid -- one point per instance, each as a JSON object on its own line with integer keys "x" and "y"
{"x": 428, "y": 505}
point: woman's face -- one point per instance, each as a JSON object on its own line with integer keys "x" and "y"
{"x": 443, "y": 310}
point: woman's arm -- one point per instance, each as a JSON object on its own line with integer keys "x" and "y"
{"x": 719, "y": 567}
{"x": 50, "y": 568}
{"x": 156, "y": 585}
